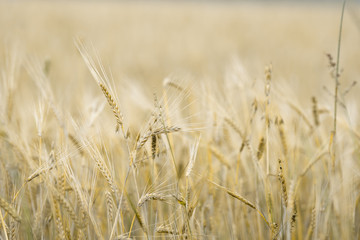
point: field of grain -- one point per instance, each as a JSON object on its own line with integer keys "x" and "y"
{"x": 164, "y": 120}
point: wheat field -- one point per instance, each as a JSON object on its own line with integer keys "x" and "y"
{"x": 169, "y": 120}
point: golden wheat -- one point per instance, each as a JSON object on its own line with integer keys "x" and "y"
{"x": 237, "y": 153}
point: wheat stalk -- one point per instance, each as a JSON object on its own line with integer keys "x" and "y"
{"x": 337, "y": 83}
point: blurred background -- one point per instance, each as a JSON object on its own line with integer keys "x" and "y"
{"x": 147, "y": 41}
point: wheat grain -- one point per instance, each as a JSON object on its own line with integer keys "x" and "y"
{"x": 153, "y": 146}
{"x": 58, "y": 221}
{"x": 142, "y": 140}
{"x": 180, "y": 199}
{"x": 220, "y": 156}
{"x": 301, "y": 114}
{"x": 9, "y": 209}
{"x": 14, "y": 235}
{"x": 110, "y": 206}
{"x": 315, "y": 111}
{"x": 233, "y": 125}
{"x": 76, "y": 144}
{"x": 151, "y": 196}
{"x": 261, "y": 148}
{"x": 66, "y": 205}
{"x": 283, "y": 183}
{"x": 280, "y": 124}
{"x": 248, "y": 203}
{"x": 168, "y": 82}
{"x": 312, "y": 224}
{"x": 167, "y": 230}
{"x": 113, "y": 105}
{"x": 237, "y": 196}
{"x": 193, "y": 153}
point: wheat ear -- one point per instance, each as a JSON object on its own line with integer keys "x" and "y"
{"x": 9, "y": 209}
